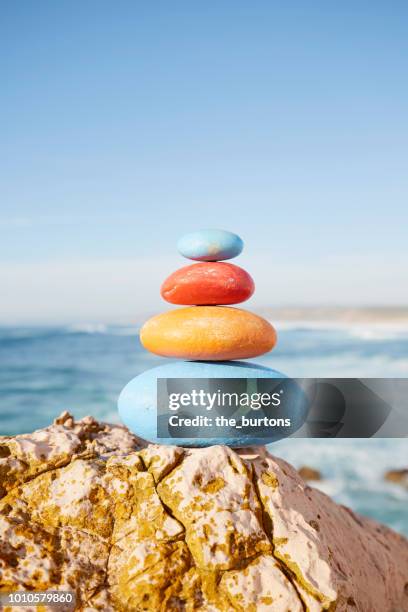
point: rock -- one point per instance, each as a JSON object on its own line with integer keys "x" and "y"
{"x": 398, "y": 476}
{"x": 208, "y": 333}
{"x": 208, "y": 284}
{"x": 159, "y": 528}
{"x": 138, "y": 400}
{"x": 309, "y": 473}
{"x": 210, "y": 245}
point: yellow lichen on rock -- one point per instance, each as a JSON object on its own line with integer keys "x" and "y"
{"x": 213, "y": 495}
{"x": 261, "y": 587}
{"x": 145, "y": 575}
{"x": 131, "y": 526}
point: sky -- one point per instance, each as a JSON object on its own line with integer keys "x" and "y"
{"x": 126, "y": 124}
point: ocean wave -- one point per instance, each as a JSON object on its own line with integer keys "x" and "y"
{"x": 362, "y": 331}
{"x": 12, "y": 335}
{"x": 379, "y": 332}
{"x": 87, "y": 328}
{"x": 102, "y": 328}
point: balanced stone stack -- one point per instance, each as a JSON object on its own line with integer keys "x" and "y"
{"x": 207, "y": 330}
{"x": 208, "y": 335}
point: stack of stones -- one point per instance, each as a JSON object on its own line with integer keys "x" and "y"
{"x": 208, "y": 330}
{"x": 208, "y": 335}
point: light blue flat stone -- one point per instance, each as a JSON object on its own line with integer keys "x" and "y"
{"x": 137, "y": 402}
{"x": 210, "y": 245}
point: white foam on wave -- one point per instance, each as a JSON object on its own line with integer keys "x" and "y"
{"x": 344, "y": 461}
{"x": 364, "y": 331}
{"x": 380, "y": 332}
{"x": 87, "y": 328}
{"x": 102, "y": 328}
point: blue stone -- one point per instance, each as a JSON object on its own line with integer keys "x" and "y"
{"x": 138, "y": 400}
{"x": 210, "y": 245}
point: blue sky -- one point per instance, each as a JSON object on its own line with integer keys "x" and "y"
{"x": 125, "y": 124}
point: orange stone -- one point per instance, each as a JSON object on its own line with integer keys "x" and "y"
{"x": 208, "y": 333}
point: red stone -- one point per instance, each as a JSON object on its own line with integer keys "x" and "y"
{"x": 208, "y": 284}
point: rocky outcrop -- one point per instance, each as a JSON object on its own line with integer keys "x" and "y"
{"x": 130, "y": 526}
{"x": 309, "y": 473}
{"x": 398, "y": 476}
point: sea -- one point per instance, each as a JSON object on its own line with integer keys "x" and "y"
{"x": 82, "y": 369}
